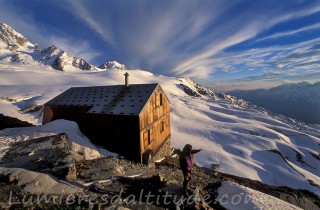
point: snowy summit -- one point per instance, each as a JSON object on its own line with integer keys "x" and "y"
{"x": 113, "y": 65}
{"x": 10, "y": 39}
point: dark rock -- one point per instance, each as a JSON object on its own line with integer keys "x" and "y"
{"x": 11, "y": 122}
{"x": 31, "y": 108}
{"x": 37, "y": 47}
{"x": 15, "y": 58}
{"x": 189, "y": 91}
{"x": 8, "y": 179}
{"x": 198, "y": 90}
{"x": 164, "y": 150}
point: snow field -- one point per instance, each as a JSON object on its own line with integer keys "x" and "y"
{"x": 243, "y": 141}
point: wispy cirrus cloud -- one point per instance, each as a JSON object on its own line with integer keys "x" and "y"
{"x": 161, "y": 39}
{"x": 269, "y": 66}
{"x": 100, "y": 26}
{"x": 187, "y": 38}
{"x": 292, "y": 32}
{"x": 211, "y": 61}
{"x": 303, "y": 55}
{"x": 282, "y": 77}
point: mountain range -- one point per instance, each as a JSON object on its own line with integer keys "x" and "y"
{"x": 299, "y": 101}
{"x": 15, "y": 48}
{"x": 237, "y": 136}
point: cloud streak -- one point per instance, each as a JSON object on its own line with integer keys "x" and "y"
{"x": 295, "y": 56}
{"x": 80, "y": 11}
{"x": 186, "y": 39}
{"x": 292, "y": 32}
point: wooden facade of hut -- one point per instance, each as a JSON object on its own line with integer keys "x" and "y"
{"x": 131, "y": 120}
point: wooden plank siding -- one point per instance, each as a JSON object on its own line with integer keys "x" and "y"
{"x": 155, "y": 122}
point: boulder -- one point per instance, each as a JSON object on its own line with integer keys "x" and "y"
{"x": 49, "y": 154}
{"x": 37, "y": 183}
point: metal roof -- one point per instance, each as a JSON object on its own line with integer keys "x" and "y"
{"x": 117, "y": 99}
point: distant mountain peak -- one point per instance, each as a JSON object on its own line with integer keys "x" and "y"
{"x": 113, "y": 65}
{"x": 61, "y": 60}
{"x": 11, "y": 39}
{"x": 316, "y": 84}
{"x": 302, "y": 83}
{"x": 52, "y": 50}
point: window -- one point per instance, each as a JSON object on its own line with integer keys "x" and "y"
{"x": 160, "y": 99}
{"x": 161, "y": 127}
{"x": 147, "y": 137}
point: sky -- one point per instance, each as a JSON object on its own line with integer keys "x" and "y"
{"x": 222, "y": 44}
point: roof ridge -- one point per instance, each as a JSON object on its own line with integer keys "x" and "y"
{"x": 115, "y": 100}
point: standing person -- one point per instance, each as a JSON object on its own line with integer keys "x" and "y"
{"x": 186, "y": 161}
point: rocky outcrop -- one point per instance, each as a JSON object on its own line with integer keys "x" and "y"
{"x": 61, "y": 60}
{"x": 189, "y": 91}
{"x": 9, "y": 37}
{"x": 164, "y": 150}
{"x": 46, "y": 167}
{"x": 35, "y": 182}
{"x": 46, "y": 155}
{"x": 195, "y": 89}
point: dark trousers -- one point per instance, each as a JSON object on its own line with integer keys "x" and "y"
{"x": 186, "y": 180}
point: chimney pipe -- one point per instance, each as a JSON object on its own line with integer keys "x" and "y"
{"x": 126, "y": 79}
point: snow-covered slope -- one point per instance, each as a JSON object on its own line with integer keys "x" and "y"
{"x": 243, "y": 139}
